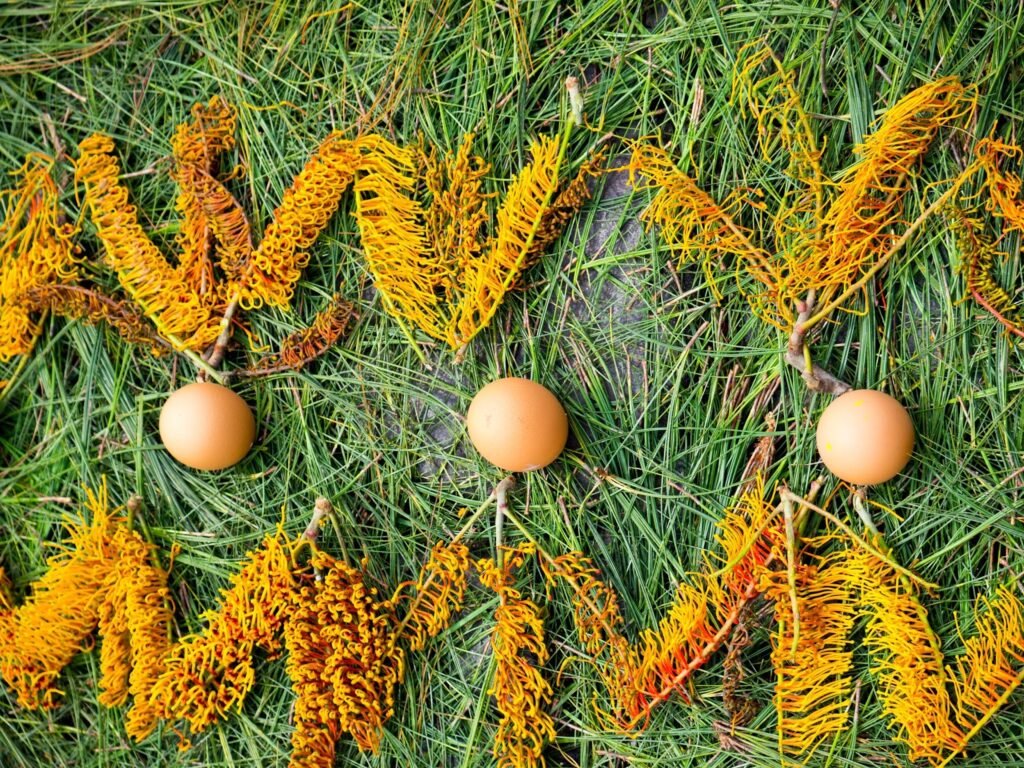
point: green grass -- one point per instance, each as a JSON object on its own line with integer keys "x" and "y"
{"x": 660, "y": 382}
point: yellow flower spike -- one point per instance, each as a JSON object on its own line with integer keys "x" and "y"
{"x": 92, "y": 307}
{"x": 436, "y": 595}
{"x": 41, "y": 636}
{"x": 748, "y": 540}
{"x": 207, "y": 674}
{"x": 692, "y": 223}
{"x": 457, "y": 210}
{"x": 978, "y": 254}
{"x": 208, "y": 212}
{"x": 484, "y": 282}
{"x": 991, "y": 667}
{"x": 158, "y": 288}
{"x": 434, "y": 264}
{"x": 269, "y": 274}
{"x": 1003, "y": 186}
{"x": 115, "y": 649}
{"x": 148, "y": 620}
{"x": 772, "y": 99}
{"x": 680, "y": 638}
{"x": 342, "y": 661}
{"x": 906, "y": 663}
{"x": 36, "y": 251}
{"x": 520, "y": 691}
{"x": 813, "y": 684}
{"x": 393, "y": 235}
{"x": 599, "y": 624}
{"x": 859, "y": 225}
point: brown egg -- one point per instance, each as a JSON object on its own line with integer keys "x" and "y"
{"x": 865, "y": 437}
{"x": 207, "y": 426}
{"x": 517, "y": 424}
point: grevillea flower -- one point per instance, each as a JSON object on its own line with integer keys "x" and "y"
{"x": 978, "y": 254}
{"x": 748, "y": 535}
{"x": 519, "y": 689}
{"x": 991, "y": 666}
{"x": 207, "y": 674}
{"x": 692, "y": 222}
{"x": 342, "y": 661}
{"x": 148, "y": 615}
{"x": 813, "y": 678}
{"x": 435, "y": 596}
{"x": 306, "y": 344}
{"x": 1003, "y": 185}
{"x": 211, "y": 217}
{"x": 823, "y": 237}
{"x": 670, "y": 654}
{"x": 436, "y": 264}
{"x": 163, "y": 293}
{"x": 92, "y": 307}
{"x": 599, "y": 625}
{"x": 907, "y": 665}
{"x": 36, "y": 250}
{"x": 55, "y": 623}
{"x": 269, "y": 274}
{"x": 863, "y": 219}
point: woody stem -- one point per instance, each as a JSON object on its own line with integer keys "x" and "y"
{"x": 220, "y": 346}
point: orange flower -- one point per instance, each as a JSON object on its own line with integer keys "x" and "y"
{"x": 519, "y": 689}
{"x": 343, "y": 663}
{"x": 205, "y": 675}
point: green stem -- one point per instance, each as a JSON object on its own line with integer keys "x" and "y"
{"x": 22, "y": 362}
{"x": 861, "y": 542}
{"x": 500, "y": 510}
{"x": 179, "y": 346}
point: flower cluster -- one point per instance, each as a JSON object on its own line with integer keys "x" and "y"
{"x": 207, "y": 674}
{"x": 36, "y": 249}
{"x": 519, "y": 688}
{"x": 342, "y": 661}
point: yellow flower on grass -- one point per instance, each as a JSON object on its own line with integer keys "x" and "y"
{"x": 343, "y": 663}
{"x": 207, "y": 674}
{"x": 519, "y": 688}
{"x": 36, "y": 249}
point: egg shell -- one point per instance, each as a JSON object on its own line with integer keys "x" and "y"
{"x": 207, "y": 426}
{"x": 517, "y": 424}
{"x": 865, "y": 437}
